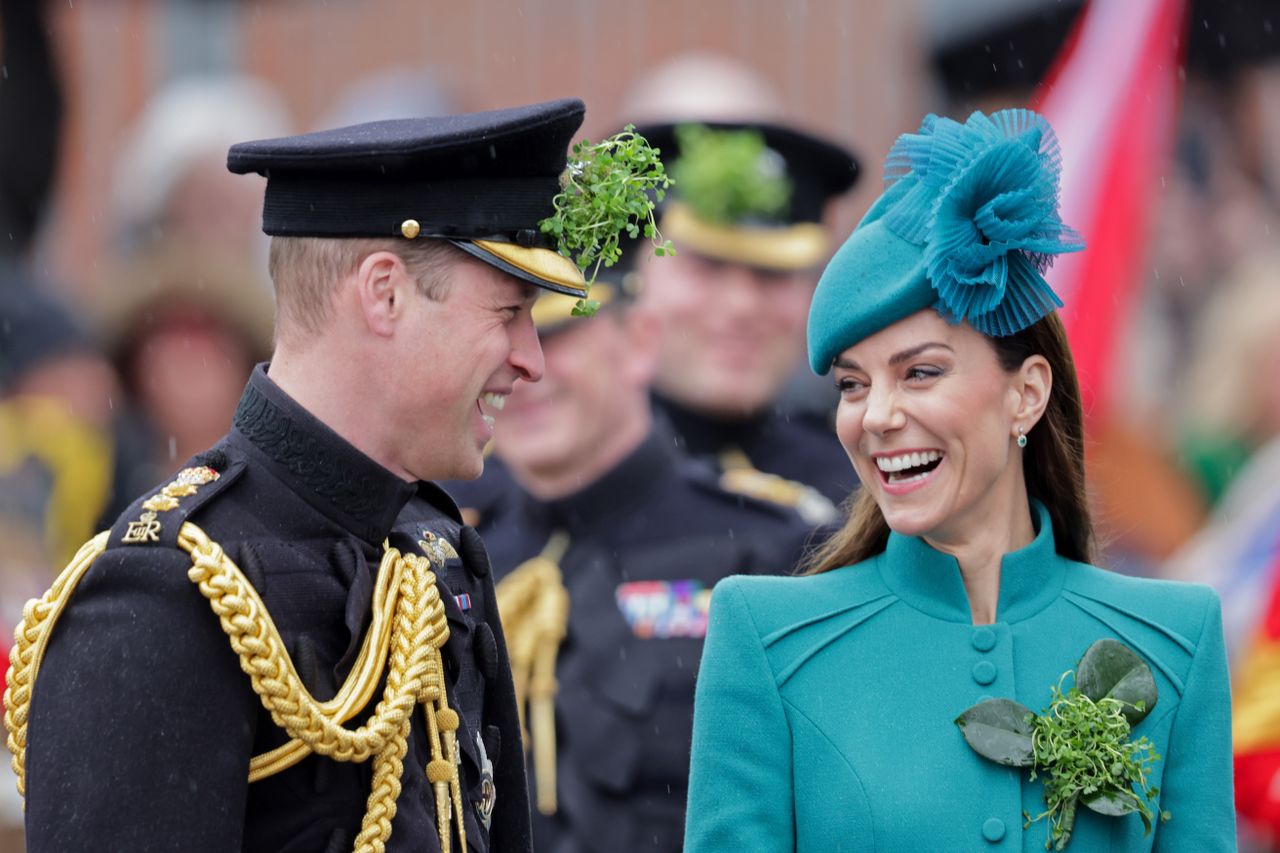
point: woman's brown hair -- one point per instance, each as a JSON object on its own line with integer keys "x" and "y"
{"x": 1053, "y": 462}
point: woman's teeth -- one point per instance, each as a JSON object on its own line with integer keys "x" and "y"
{"x": 901, "y": 468}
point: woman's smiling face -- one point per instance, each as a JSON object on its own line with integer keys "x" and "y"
{"x": 929, "y": 419}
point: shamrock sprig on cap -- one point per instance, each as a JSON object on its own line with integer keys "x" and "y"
{"x": 727, "y": 176}
{"x": 1080, "y": 746}
{"x": 610, "y": 188}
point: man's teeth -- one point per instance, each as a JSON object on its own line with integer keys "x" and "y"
{"x": 497, "y": 401}
{"x": 890, "y": 464}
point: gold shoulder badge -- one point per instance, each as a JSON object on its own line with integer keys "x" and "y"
{"x": 188, "y": 482}
{"x": 145, "y": 529}
{"x": 808, "y": 502}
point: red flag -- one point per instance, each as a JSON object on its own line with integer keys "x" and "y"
{"x": 1111, "y": 98}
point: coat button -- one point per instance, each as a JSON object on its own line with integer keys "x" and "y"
{"x": 984, "y": 672}
{"x": 984, "y": 639}
{"x": 993, "y": 829}
{"x": 486, "y": 651}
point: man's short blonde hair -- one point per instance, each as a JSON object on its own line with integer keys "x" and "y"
{"x": 306, "y": 272}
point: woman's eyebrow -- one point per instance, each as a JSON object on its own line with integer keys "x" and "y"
{"x": 908, "y": 354}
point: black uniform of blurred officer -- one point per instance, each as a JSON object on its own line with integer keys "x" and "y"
{"x": 274, "y": 554}
{"x": 607, "y": 549}
{"x": 746, "y": 217}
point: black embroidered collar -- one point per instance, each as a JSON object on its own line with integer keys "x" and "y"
{"x": 317, "y": 463}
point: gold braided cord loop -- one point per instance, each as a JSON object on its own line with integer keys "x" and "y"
{"x": 409, "y": 628}
{"x": 534, "y": 606}
{"x": 367, "y": 671}
{"x": 30, "y": 639}
{"x": 263, "y": 657}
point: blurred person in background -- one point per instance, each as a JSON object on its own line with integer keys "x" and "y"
{"x": 746, "y": 216}
{"x": 606, "y": 548}
{"x": 171, "y": 183}
{"x": 184, "y": 328}
{"x": 182, "y": 307}
{"x": 1232, "y": 440}
{"x": 1233, "y": 423}
{"x": 1231, "y": 404}
{"x": 57, "y": 393}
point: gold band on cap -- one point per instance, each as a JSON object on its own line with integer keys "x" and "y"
{"x": 543, "y": 264}
{"x": 791, "y": 247}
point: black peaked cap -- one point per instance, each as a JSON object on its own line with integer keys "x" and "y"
{"x": 477, "y": 176}
{"x": 818, "y": 170}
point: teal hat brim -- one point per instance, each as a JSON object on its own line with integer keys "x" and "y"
{"x": 874, "y": 280}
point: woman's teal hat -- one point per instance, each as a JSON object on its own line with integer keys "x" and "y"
{"x": 968, "y": 224}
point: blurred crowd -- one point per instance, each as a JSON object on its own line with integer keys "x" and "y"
{"x": 104, "y": 395}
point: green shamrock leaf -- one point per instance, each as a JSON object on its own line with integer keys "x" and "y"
{"x": 1109, "y": 669}
{"x": 999, "y": 729}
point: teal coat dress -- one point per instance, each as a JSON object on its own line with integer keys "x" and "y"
{"x": 825, "y": 706}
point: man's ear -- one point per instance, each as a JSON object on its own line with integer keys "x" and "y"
{"x": 383, "y": 286}
{"x": 1032, "y": 384}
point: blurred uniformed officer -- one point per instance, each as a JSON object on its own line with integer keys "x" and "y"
{"x": 255, "y": 657}
{"x": 746, "y": 215}
{"x": 607, "y": 549}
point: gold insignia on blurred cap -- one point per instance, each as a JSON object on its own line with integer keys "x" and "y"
{"x": 553, "y": 310}
{"x": 791, "y": 247}
{"x": 410, "y": 228}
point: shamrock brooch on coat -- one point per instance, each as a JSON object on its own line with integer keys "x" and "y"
{"x": 1080, "y": 746}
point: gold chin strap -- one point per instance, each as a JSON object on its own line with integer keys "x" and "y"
{"x": 409, "y": 629}
{"x": 534, "y": 606}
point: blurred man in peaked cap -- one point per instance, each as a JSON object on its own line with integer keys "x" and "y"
{"x": 378, "y": 708}
{"x": 746, "y": 215}
{"x": 606, "y": 547}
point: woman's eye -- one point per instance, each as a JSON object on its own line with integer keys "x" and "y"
{"x": 849, "y": 385}
{"x": 923, "y": 373}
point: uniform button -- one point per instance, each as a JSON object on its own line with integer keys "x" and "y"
{"x": 993, "y": 829}
{"x": 984, "y": 639}
{"x": 985, "y": 697}
{"x": 984, "y": 672}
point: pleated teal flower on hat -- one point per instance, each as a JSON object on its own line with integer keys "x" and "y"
{"x": 968, "y": 225}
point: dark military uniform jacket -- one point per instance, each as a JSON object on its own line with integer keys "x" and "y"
{"x": 646, "y": 544}
{"x": 143, "y": 724}
{"x": 799, "y": 448}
